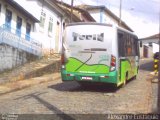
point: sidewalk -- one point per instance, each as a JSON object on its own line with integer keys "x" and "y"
{"x": 155, "y": 94}
{"x": 45, "y": 65}
{"x": 36, "y": 72}
{"x": 17, "y": 85}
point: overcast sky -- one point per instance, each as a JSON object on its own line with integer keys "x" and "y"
{"x": 141, "y": 15}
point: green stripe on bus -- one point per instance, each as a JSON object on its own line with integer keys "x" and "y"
{"x": 73, "y": 63}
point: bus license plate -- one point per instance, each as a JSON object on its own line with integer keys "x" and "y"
{"x": 86, "y": 78}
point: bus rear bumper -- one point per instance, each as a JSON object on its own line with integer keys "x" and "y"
{"x": 111, "y": 77}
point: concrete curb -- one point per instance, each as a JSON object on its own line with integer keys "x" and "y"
{"x": 18, "y": 85}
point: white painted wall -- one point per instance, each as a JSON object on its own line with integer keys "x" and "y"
{"x": 151, "y": 49}
{"x": 155, "y": 47}
{"x": 35, "y": 8}
{"x": 109, "y": 20}
{"x": 48, "y": 40}
{"x": 96, "y": 14}
{"x": 15, "y": 13}
{"x": 11, "y": 57}
{"x": 30, "y": 6}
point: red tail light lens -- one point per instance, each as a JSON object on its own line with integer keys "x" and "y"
{"x": 113, "y": 63}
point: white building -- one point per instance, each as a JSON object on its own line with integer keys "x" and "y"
{"x": 50, "y": 28}
{"x": 16, "y": 29}
{"x": 149, "y": 46}
{"x": 53, "y": 16}
{"x": 103, "y": 15}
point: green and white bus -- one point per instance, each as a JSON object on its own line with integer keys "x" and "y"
{"x": 99, "y": 52}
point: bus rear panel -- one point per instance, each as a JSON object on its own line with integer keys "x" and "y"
{"x": 99, "y": 53}
{"x": 89, "y": 53}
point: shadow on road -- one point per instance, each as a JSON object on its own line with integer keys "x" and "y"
{"x": 58, "y": 114}
{"x": 73, "y": 86}
{"x": 147, "y": 66}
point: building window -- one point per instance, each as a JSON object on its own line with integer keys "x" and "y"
{"x": 8, "y": 19}
{"x": 28, "y": 31}
{"x": 42, "y": 19}
{"x": 50, "y": 26}
{"x": 18, "y": 26}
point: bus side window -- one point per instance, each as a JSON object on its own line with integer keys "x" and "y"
{"x": 136, "y": 46}
{"x": 133, "y": 46}
{"x": 128, "y": 45}
{"x": 121, "y": 47}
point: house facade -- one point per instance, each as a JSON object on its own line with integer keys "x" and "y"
{"x": 50, "y": 28}
{"x": 52, "y": 19}
{"x": 149, "y": 46}
{"x": 103, "y": 15}
{"x": 78, "y": 14}
{"x": 16, "y": 29}
{"x": 53, "y": 16}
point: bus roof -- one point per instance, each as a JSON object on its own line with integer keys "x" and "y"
{"x": 124, "y": 30}
{"x": 100, "y": 24}
{"x": 89, "y": 23}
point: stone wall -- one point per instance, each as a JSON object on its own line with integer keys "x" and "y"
{"x": 11, "y": 57}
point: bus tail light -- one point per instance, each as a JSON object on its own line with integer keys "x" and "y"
{"x": 70, "y": 75}
{"x": 113, "y": 63}
{"x": 62, "y": 59}
{"x": 104, "y": 76}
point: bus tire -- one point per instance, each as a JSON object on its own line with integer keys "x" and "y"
{"x": 135, "y": 77}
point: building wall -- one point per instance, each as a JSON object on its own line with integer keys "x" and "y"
{"x": 50, "y": 40}
{"x": 95, "y": 14}
{"x": 102, "y": 17}
{"x": 146, "y": 51}
{"x": 109, "y": 20}
{"x": 15, "y": 13}
{"x": 154, "y": 47}
{"x": 11, "y": 57}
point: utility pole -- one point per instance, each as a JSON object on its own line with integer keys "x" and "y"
{"x": 71, "y": 10}
{"x": 159, "y": 47}
{"x": 158, "y": 101}
{"x": 120, "y": 10}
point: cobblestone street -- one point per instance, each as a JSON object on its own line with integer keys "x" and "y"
{"x": 71, "y": 98}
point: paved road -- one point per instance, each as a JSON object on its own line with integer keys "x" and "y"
{"x": 71, "y": 98}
